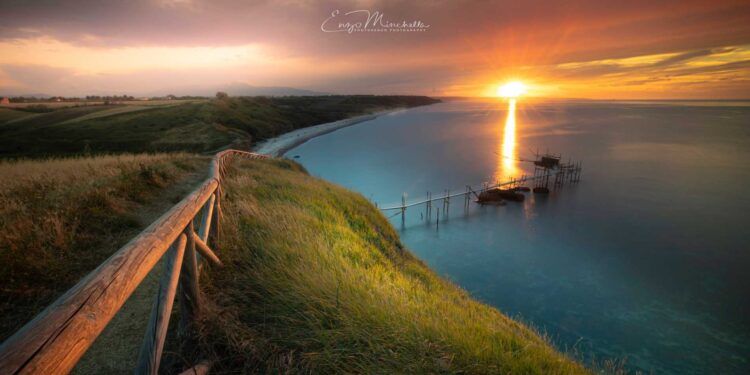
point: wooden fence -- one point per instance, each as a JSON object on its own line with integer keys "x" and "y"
{"x": 58, "y": 337}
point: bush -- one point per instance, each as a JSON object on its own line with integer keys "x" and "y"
{"x": 36, "y": 108}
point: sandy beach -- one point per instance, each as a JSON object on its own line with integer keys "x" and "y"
{"x": 279, "y": 145}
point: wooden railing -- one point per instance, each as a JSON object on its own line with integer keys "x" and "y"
{"x": 58, "y": 337}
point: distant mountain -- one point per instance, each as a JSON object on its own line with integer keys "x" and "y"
{"x": 243, "y": 89}
{"x": 235, "y": 89}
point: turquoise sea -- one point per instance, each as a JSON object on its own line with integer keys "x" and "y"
{"x": 646, "y": 259}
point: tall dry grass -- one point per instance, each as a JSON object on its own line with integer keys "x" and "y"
{"x": 60, "y": 218}
{"x": 317, "y": 281}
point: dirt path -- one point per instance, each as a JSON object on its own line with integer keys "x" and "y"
{"x": 115, "y": 351}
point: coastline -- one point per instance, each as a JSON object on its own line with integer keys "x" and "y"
{"x": 278, "y": 146}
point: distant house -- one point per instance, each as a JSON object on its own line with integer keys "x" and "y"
{"x": 4, "y": 101}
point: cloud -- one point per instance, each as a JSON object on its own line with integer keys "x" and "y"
{"x": 684, "y": 56}
{"x": 676, "y": 63}
{"x": 268, "y": 42}
{"x": 586, "y": 26}
{"x": 35, "y": 75}
{"x": 704, "y": 73}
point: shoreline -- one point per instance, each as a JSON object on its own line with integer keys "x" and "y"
{"x": 281, "y": 144}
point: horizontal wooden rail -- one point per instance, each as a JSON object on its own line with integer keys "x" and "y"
{"x": 55, "y": 340}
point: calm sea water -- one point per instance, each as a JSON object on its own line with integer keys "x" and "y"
{"x": 647, "y": 259}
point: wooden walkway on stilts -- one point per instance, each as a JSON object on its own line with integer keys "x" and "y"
{"x": 558, "y": 177}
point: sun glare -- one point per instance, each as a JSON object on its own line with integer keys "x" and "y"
{"x": 511, "y": 90}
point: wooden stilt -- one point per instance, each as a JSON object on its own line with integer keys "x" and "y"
{"x": 437, "y": 222}
{"x": 403, "y": 208}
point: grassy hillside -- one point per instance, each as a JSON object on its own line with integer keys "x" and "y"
{"x": 316, "y": 280}
{"x": 173, "y": 128}
{"x": 59, "y": 219}
{"x": 196, "y": 126}
{"x": 8, "y": 114}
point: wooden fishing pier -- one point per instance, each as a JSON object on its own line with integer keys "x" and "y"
{"x": 548, "y": 172}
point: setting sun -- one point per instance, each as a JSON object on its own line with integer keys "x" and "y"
{"x": 511, "y": 89}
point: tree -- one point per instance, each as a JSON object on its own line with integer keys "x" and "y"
{"x": 221, "y": 95}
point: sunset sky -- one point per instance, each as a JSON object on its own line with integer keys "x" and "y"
{"x": 592, "y": 49}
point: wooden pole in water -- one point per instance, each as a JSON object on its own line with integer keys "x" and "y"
{"x": 437, "y": 225}
{"x": 467, "y": 198}
{"x": 447, "y": 201}
{"x": 429, "y": 205}
{"x": 571, "y": 171}
{"x": 403, "y": 208}
{"x": 539, "y": 177}
{"x": 443, "y": 200}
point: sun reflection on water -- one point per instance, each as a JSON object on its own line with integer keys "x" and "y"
{"x": 506, "y": 165}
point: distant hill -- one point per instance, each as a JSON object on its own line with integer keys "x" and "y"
{"x": 37, "y": 96}
{"x": 233, "y": 89}
{"x": 192, "y": 126}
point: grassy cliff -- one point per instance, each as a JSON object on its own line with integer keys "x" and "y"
{"x": 61, "y": 218}
{"x": 194, "y": 126}
{"x": 316, "y": 280}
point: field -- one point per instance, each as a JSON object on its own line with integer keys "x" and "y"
{"x": 317, "y": 281}
{"x": 191, "y": 126}
{"x": 56, "y": 105}
{"x": 60, "y": 218}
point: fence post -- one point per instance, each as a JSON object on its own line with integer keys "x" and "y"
{"x": 215, "y": 228}
{"x": 189, "y": 292}
{"x": 153, "y": 342}
{"x": 206, "y": 218}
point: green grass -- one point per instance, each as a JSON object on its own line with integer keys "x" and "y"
{"x": 7, "y": 114}
{"x": 174, "y": 128}
{"x": 198, "y": 126}
{"x": 61, "y": 218}
{"x": 316, "y": 280}
{"x": 111, "y": 112}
